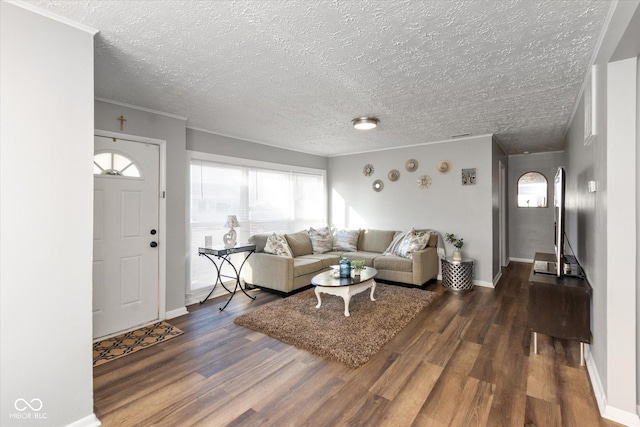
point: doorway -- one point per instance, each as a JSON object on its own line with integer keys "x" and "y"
{"x": 128, "y": 286}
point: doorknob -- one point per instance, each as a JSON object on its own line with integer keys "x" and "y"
{"x": 153, "y": 244}
{"x": 153, "y": 232}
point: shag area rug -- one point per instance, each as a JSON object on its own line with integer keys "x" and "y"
{"x": 130, "y": 342}
{"x": 326, "y": 332}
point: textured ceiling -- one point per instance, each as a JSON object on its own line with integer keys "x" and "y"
{"x": 294, "y": 73}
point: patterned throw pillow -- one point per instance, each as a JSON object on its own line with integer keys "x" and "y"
{"x": 278, "y": 245}
{"x": 413, "y": 241}
{"x": 321, "y": 240}
{"x": 395, "y": 243}
{"x": 346, "y": 240}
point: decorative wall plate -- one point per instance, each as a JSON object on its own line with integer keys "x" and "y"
{"x": 368, "y": 169}
{"x": 424, "y": 182}
{"x": 393, "y": 175}
{"x": 378, "y": 185}
{"x": 411, "y": 165}
{"x": 444, "y": 166}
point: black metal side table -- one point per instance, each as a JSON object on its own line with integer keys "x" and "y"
{"x": 223, "y": 254}
{"x": 457, "y": 275}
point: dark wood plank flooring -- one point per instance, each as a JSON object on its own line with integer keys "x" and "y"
{"x": 464, "y": 361}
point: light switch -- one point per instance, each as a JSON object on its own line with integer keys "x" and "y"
{"x": 591, "y": 186}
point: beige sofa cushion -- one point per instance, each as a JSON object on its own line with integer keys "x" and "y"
{"x": 433, "y": 240}
{"x": 327, "y": 259}
{"x": 375, "y": 240}
{"x": 367, "y": 257}
{"x": 300, "y": 243}
{"x": 393, "y": 262}
{"x": 305, "y": 265}
{"x": 260, "y": 240}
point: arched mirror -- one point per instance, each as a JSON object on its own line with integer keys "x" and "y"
{"x": 532, "y": 190}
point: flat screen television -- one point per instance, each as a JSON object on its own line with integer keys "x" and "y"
{"x": 558, "y": 206}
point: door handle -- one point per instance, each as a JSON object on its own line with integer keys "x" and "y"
{"x": 153, "y": 232}
{"x": 153, "y": 244}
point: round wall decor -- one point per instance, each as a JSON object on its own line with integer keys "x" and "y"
{"x": 411, "y": 165}
{"x": 424, "y": 182}
{"x": 368, "y": 169}
{"x": 378, "y": 185}
{"x": 444, "y": 166}
{"x": 393, "y": 175}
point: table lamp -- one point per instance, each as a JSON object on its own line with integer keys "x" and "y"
{"x": 230, "y": 238}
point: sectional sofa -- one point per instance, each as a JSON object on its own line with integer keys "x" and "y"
{"x": 288, "y": 273}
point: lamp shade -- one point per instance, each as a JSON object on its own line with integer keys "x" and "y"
{"x": 232, "y": 221}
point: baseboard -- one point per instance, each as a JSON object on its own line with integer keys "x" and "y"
{"x": 497, "y": 278}
{"x": 483, "y": 283}
{"x": 527, "y": 260}
{"x": 176, "y": 313}
{"x": 621, "y": 417}
{"x": 88, "y": 421}
{"x": 606, "y": 411}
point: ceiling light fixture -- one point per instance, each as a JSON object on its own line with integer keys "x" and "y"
{"x": 364, "y": 123}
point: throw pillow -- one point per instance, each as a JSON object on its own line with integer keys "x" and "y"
{"x": 346, "y": 240}
{"x": 321, "y": 240}
{"x": 413, "y": 241}
{"x": 393, "y": 246}
{"x": 278, "y": 245}
{"x": 300, "y": 243}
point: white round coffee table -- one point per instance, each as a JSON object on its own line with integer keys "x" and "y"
{"x": 346, "y": 287}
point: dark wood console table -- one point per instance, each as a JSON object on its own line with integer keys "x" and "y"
{"x": 559, "y": 306}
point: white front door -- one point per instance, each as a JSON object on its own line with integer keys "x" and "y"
{"x": 125, "y": 235}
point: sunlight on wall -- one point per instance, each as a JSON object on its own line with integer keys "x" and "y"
{"x": 355, "y": 220}
{"x": 338, "y": 210}
{"x": 343, "y": 216}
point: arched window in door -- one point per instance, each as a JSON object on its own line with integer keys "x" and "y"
{"x": 114, "y": 164}
{"x": 532, "y": 190}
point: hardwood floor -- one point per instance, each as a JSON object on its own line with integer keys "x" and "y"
{"x": 464, "y": 361}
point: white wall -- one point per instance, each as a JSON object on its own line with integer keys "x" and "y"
{"x": 46, "y": 205}
{"x": 446, "y": 206}
{"x": 531, "y": 229}
{"x": 602, "y": 225}
{"x": 622, "y": 115}
{"x": 206, "y": 142}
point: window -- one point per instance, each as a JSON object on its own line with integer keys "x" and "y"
{"x": 532, "y": 190}
{"x": 264, "y": 200}
{"x": 114, "y": 164}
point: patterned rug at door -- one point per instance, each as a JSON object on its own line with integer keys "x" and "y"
{"x": 130, "y": 342}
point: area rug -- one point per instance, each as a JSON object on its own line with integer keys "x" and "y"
{"x": 326, "y": 332}
{"x": 130, "y": 342}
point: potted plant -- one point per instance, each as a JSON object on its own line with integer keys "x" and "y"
{"x": 457, "y": 243}
{"x": 357, "y": 266}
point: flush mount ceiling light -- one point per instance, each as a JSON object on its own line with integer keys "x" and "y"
{"x": 364, "y": 123}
